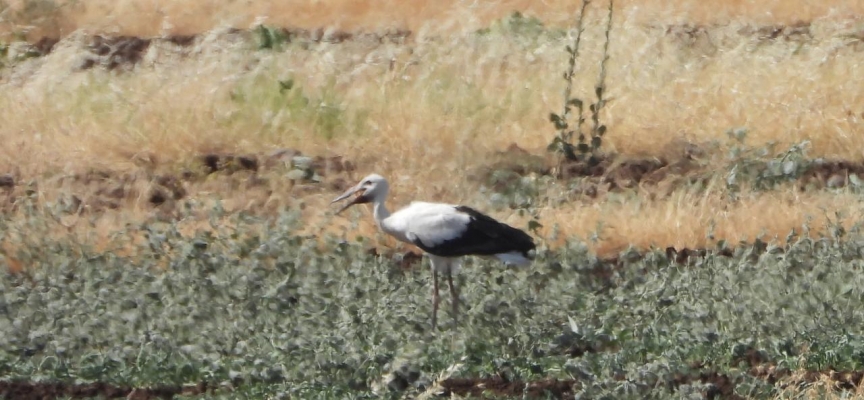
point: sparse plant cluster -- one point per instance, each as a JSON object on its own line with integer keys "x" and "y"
{"x": 270, "y": 38}
{"x": 587, "y": 146}
{"x": 283, "y": 103}
{"x": 764, "y": 168}
{"x": 527, "y": 28}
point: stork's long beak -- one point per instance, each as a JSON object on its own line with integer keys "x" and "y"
{"x": 359, "y": 199}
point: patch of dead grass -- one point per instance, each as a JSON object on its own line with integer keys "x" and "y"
{"x": 823, "y": 388}
{"x": 685, "y": 219}
{"x": 130, "y": 17}
{"x": 424, "y": 111}
{"x": 691, "y": 220}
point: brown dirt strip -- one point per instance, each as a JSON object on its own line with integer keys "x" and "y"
{"x": 684, "y": 165}
{"x": 798, "y": 31}
{"x": 651, "y": 171}
{"x": 842, "y": 380}
{"x": 608, "y": 175}
{"x": 498, "y": 386}
{"x": 127, "y": 50}
{"x": 21, "y": 390}
{"x": 99, "y": 190}
{"x": 719, "y": 385}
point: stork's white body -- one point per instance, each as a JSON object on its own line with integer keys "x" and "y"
{"x": 435, "y": 224}
{"x": 446, "y": 232}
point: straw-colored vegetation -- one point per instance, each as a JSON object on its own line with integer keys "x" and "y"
{"x": 448, "y": 16}
{"x": 417, "y": 111}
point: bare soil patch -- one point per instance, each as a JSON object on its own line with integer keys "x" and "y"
{"x": 719, "y": 385}
{"x": 799, "y": 31}
{"x": 114, "y": 52}
{"x": 498, "y": 386}
{"x": 831, "y": 173}
{"x": 21, "y": 390}
{"x": 99, "y": 190}
{"x": 612, "y": 173}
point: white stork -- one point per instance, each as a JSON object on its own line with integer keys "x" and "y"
{"x": 445, "y": 232}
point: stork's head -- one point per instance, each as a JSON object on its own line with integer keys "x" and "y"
{"x": 373, "y": 188}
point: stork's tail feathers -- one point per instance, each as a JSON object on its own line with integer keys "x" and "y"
{"x": 518, "y": 258}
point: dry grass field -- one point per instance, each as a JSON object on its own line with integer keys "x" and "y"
{"x": 441, "y": 103}
{"x": 444, "y": 17}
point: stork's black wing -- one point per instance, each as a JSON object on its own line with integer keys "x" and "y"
{"x": 483, "y": 236}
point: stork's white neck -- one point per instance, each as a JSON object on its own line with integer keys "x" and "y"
{"x": 380, "y": 211}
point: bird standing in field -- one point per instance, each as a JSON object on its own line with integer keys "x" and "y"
{"x": 445, "y": 232}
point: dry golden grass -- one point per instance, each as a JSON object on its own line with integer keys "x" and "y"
{"x": 447, "y": 16}
{"x": 420, "y": 111}
{"x": 685, "y": 219}
{"x": 825, "y": 388}
{"x": 486, "y": 93}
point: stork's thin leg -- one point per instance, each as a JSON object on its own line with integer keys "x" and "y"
{"x": 435, "y": 298}
{"x": 454, "y": 295}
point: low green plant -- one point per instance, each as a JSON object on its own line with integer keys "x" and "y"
{"x": 284, "y": 105}
{"x": 521, "y": 26}
{"x": 253, "y": 304}
{"x": 521, "y": 193}
{"x": 4, "y": 52}
{"x": 763, "y": 168}
{"x": 270, "y": 38}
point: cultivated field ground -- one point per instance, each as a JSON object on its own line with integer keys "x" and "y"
{"x": 166, "y": 170}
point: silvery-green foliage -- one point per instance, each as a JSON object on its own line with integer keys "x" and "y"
{"x": 763, "y": 168}
{"x": 270, "y": 38}
{"x": 517, "y": 192}
{"x": 525, "y": 29}
{"x": 253, "y": 305}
